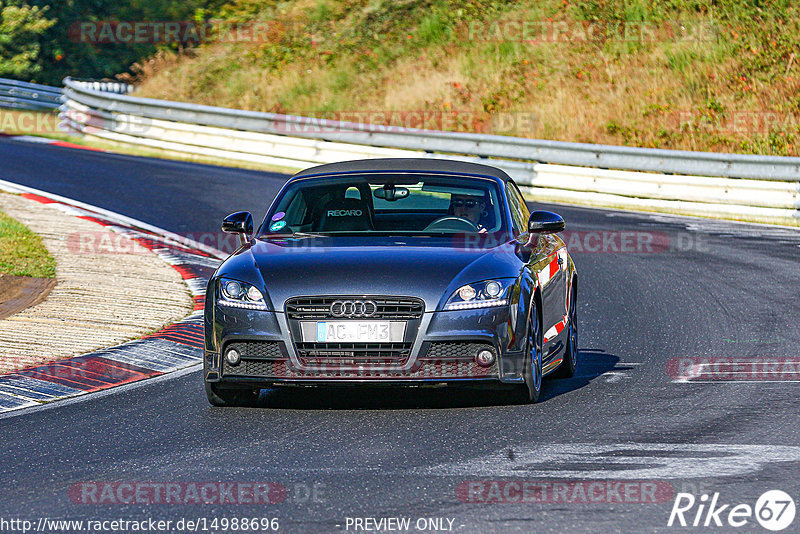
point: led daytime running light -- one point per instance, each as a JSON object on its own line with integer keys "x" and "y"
{"x": 476, "y": 304}
{"x": 241, "y": 304}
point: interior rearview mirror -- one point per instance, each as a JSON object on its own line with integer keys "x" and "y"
{"x": 390, "y": 193}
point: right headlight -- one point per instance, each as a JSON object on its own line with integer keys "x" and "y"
{"x": 238, "y": 294}
{"x": 486, "y": 294}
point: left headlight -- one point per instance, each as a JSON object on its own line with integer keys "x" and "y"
{"x": 486, "y": 294}
{"x": 238, "y": 294}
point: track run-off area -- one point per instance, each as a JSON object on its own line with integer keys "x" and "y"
{"x": 687, "y": 383}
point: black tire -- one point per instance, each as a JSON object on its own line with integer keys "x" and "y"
{"x": 218, "y": 396}
{"x": 567, "y": 367}
{"x": 529, "y": 392}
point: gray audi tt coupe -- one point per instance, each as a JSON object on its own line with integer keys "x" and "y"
{"x": 397, "y": 272}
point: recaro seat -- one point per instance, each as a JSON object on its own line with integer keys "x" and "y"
{"x": 344, "y": 215}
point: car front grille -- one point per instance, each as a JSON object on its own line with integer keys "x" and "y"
{"x": 423, "y": 369}
{"x": 442, "y": 360}
{"x": 318, "y": 308}
{"x": 322, "y": 354}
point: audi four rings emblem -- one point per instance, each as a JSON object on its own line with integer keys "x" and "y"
{"x": 353, "y": 308}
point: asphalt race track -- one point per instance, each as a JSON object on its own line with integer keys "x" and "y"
{"x": 635, "y": 418}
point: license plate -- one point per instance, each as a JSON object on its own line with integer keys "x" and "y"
{"x": 354, "y": 331}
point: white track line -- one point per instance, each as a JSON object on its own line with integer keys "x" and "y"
{"x": 102, "y": 393}
{"x": 11, "y": 187}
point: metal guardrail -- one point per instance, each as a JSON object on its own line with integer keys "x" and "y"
{"x": 36, "y": 97}
{"x": 29, "y": 96}
{"x": 731, "y": 185}
{"x": 489, "y": 146}
{"x": 118, "y": 88}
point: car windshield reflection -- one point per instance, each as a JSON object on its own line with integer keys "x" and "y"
{"x": 355, "y": 205}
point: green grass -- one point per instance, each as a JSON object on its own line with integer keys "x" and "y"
{"x": 22, "y": 252}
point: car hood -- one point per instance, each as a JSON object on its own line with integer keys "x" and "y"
{"x": 427, "y": 267}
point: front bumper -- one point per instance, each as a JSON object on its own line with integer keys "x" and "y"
{"x": 441, "y": 348}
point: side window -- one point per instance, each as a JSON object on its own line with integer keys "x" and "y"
{"x": 297, "y": 211}
{"x": 519, "y": 211}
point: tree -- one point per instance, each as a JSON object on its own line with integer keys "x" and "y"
{"x": 64, "y": 55}
{"x": 21, "y": 27}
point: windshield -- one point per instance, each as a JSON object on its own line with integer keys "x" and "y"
{"x": 387, "y": 204}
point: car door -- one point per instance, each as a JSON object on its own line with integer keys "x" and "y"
{"x": 550, "y": 266}
{"x": 554, "y": 290}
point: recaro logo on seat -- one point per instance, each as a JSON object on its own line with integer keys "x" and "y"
{"x": 345, "y": 213}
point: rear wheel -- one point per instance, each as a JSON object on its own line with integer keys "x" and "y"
{"x": 219, "y": 396}
{"x": 567, "y": 367}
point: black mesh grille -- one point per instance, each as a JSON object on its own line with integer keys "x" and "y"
{"x": 254, "y": 368}
{"x": 456, "y": 350}
{"x": 260, "y": 350}
{"x": 264, "y": 368}
{"x": 258, "y": 358}
{"x": 353, "y": 353}
{"x": 388, "y": 307}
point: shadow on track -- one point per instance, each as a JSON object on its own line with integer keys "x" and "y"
{"x": 592, "y": 363}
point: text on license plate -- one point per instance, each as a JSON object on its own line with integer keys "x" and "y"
{"x": 357, "y": 332}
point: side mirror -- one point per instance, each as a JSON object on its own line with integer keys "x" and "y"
{"x": 240, "y": 223}
{"x": 545, "y": 222}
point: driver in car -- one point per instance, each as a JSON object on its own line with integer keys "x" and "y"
{"x": 469, "y": 207}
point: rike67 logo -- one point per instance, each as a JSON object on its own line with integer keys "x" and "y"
{"x": 774, "y": 510}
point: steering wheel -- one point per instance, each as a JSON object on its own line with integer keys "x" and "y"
{"x": 452, "y": 223}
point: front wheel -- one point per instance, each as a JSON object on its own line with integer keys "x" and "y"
{"x": 218, "y": 396}
{"x": 532, "y": 370}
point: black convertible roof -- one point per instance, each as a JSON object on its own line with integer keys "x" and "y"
{"x": 405, "y": 165}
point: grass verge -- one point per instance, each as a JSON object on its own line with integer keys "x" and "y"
{"x": 681, "y": 74}
{"x": 22, "y": 252}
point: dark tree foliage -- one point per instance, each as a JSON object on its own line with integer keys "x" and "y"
{"x": 64, "y": 53}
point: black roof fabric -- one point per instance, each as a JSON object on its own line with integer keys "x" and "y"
{"x": 405, "y": 164}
